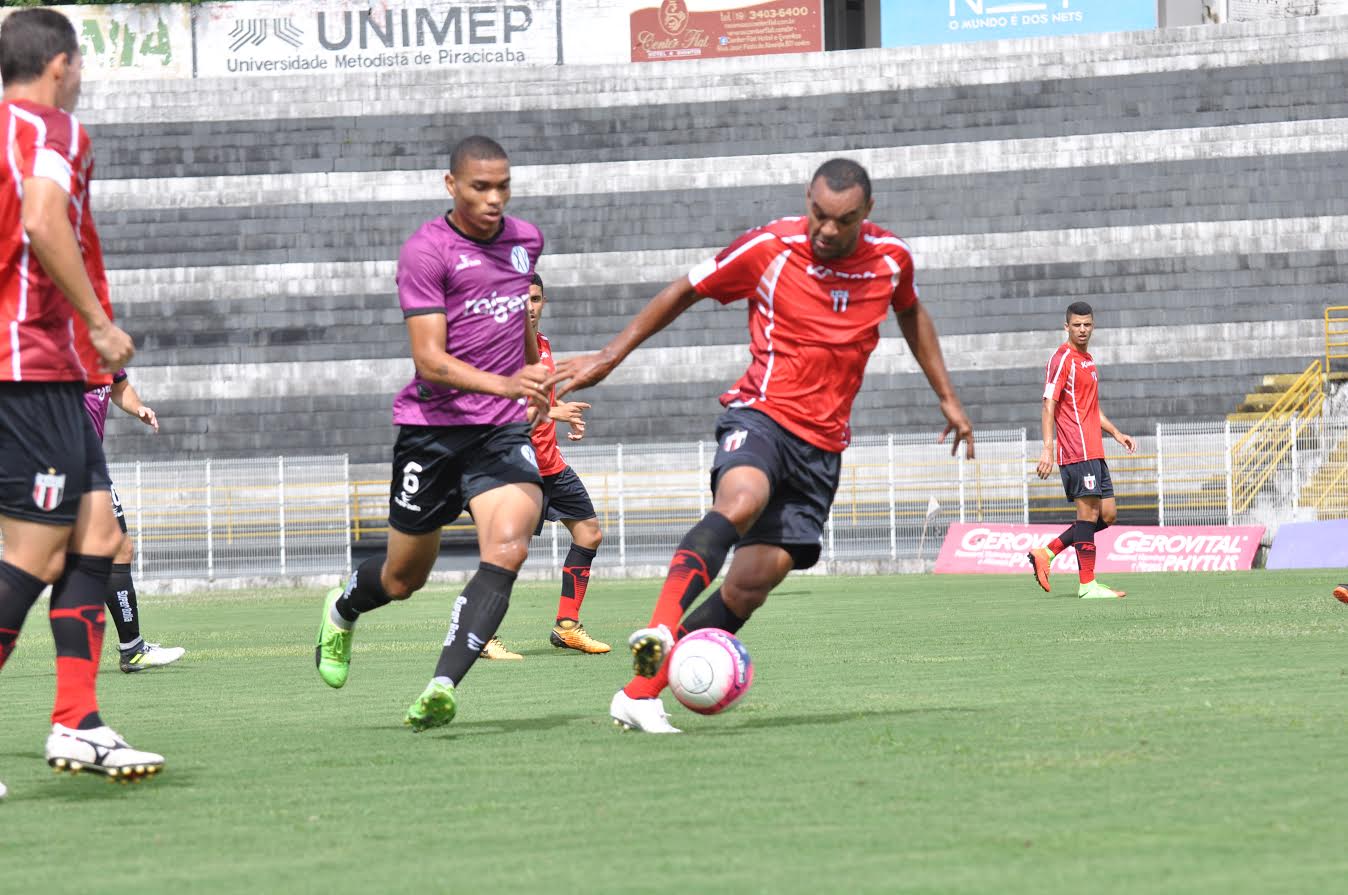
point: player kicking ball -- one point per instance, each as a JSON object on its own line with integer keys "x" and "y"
{"x": 1072, "y": 407}
{"x": 463, "y": 440}
{"x": 817, "y": 289}
{"x": 565, "y": 499}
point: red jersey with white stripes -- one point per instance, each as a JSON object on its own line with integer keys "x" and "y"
{"x": 38, "y": 341}
{"x": 812, "y": 324}
{"x": 1070, "y": 379}
{"x": 544, "y": 435}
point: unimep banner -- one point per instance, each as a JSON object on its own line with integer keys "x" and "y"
{"x": 121, "y": 42}
{"x": 1310, "y": 545}
{"x": 996, "y": 548}
{"x": 906, "y": 23}
{"x": 278, "y": 37}
{"x": 672, "y": 30}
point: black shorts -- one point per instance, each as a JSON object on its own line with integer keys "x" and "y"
{"x": 564, "y": 499}
{"x": 1089, "y": 478}
{"x": 804, "y": 479}
{"x": 437, "y": 470}
{"x": 50, "y": 456}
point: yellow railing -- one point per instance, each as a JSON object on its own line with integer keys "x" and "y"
{"x": 1336, "y": 341}
{"x": 1257, "y": 454}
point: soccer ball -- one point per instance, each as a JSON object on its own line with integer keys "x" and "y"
{"x": 709, "y": 671}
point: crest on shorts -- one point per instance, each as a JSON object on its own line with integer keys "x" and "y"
{"x": 735, "y": 440}
{"x": 519, "y": 259}
{"x": 1089, "y": 482}
{"x": 48, "y": 489}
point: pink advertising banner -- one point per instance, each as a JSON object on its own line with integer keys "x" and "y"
{"x": 1120, "y": 548}
{"x": 673, "y": 31}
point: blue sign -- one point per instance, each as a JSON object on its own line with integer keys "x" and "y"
{"x": 1310, "y": 545}
{"x": 906, "y": 23}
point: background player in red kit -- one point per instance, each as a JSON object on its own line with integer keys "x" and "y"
{"x": 1072, "y": 406}
{"x": 55, "y": 504}
{"x": 817, "y": 287}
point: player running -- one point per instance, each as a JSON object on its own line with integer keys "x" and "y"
{"x": 136, "y": 653}
{"x": 817, "y": 287}
{"x": 463, "y": 283}
{"x": 55, "y": 502}
{"x": 1072, "y": 407}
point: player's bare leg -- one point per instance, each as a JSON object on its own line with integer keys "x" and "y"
{"x": 505, "y": 518}
{"x": 568, "y": 632}
{"x": 79, "y": 739}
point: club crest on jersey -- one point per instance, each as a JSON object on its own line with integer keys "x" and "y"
{"x": 1089, "y": 482}
{"x": 519, "y": 259}
{"x": 735, "y": 440}
{"x": 839, "y": 297}
{"x": 48, "y": 488}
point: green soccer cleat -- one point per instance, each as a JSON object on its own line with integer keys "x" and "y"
{"x": 1097, "y": 591}
{"x": 435, "y": 707}
{"x": 332, "y": 655}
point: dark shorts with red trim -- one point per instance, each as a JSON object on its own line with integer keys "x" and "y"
{"x": 50, "y": 456}
{"x": 803, "y": 478}
{"x": 1089, "y": 478}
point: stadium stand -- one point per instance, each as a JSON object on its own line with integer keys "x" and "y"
{"x": 1191, "y": 183}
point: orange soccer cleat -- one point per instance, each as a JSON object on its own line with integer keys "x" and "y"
{"x": 571, "y": 634}
{"x": 1040, "y": 560}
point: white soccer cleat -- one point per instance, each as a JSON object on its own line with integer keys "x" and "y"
{"x": 150, "y": 655}
{"x": 100, "y": 750}
{"x": 3, "y": 791}
{"x": 650, "y": 647}
{"x": 645, "y": 715}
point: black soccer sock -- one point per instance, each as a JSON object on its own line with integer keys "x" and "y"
{"x": 476, "y": 615}
{"x": 1100, "y": 525}
{"x": 76, "y": 616}
{"x": 712, "y": 613}
{"x": 121, "y": 603}
{"x": 364, "y": 590}
{"x": 694, "y": 567}
{"x": 18, "y": 592}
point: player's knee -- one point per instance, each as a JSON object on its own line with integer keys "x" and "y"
{"x": 743, "y": 601}
{"x": 399, "y": 584}
{"x": 126, "y": 552}
{"x": 507, "y": 554}
{"x": 589, "y": 536}
{"x": 1107, "y": 517}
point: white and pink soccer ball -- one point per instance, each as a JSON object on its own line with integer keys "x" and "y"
{"x": 709, "y": 670}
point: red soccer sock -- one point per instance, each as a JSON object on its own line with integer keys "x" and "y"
{"x": 648, "y": 687}
{"x": 575, "y": 581}
{"x": 1056, "y": 546}
{"x": 79, "y": 644}
{"x": 1086, "y": 560}
{"x": 688, "y": 577}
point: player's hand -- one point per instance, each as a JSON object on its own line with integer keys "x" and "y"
{"x": 577, "y": 430}
{"x": 147, "y": 416}
{"x": 1044, "y": 468}
{"x": 958, "y": 423}
{"x": 569, "y": 411}
{"x": 1128, "y": 443}
{"x": 581, "y": 371}
{"x": 529, "y": 383}
{"x": 113, "y": 345}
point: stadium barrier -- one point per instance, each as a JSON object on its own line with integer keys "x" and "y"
{"x": 288, "y": 517}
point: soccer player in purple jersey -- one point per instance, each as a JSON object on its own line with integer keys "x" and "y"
{"x": 136, "y": 653}
{"x": 463, "y": 439}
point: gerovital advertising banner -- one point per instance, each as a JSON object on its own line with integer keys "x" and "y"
{"x": 906, "y": 23}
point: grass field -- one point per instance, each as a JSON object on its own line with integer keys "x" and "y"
{"x": 909, "y": 734}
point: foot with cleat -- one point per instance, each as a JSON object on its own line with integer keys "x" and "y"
{"x": 1341, "y": 593}
{"x": 3, "y": 791}
{"x": 645, "y": 715}
{"x": 332, "y": 655}
{"x": 495, "y": 649}
{"x": 650, "y": 647}
{"x": 1040, "y": 560}
{"x": 1097, "y": 591}
{"x": 101, "y": 751}
{"x": 435, "y": 707}
{"x": 149, "y": 655}
{"x": 571, "y": 634}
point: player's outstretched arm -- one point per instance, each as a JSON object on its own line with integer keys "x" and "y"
{"x": 125, "y": 396}
{"x": 1044, "y": 468}
{"x": 46, "y": 220}
{"x": 586, "y": 370}
{"x": 1112, "y": 431}
{"x": 920, "y": 333}
{"x": 434, "y": 364}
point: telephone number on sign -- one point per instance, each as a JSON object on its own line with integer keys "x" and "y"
{"x": 788, "y": 13}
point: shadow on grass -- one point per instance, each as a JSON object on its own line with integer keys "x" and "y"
{"x": 767, "y": 722}
{"x": 85, "y": 788}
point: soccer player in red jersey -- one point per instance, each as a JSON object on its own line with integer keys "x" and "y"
{"x": 1072, "y": 407}
{"x": 817, "y": 288}
{"x": 55, "y": 504}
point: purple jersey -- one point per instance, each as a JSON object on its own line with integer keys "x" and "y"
{"x": 96, "y": 401}
{"x": 482, "y": 288}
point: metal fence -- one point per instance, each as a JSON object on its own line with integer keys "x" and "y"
{"x": 897, "y": 496}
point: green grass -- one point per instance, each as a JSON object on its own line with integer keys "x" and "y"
{"x": 906, "y": 734}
